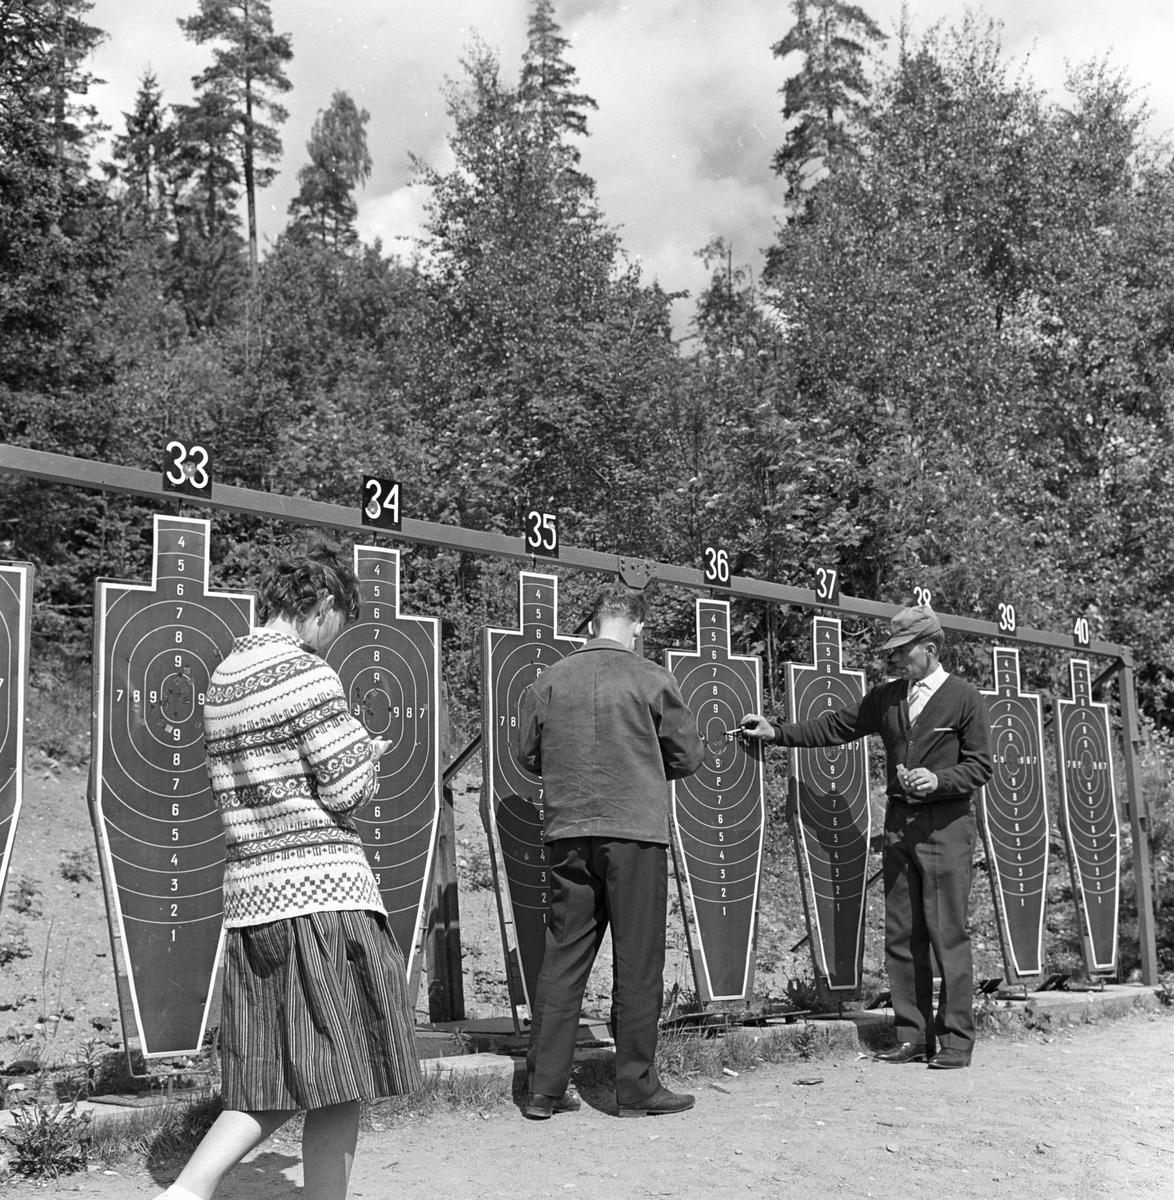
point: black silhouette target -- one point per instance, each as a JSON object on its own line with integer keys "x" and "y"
{"x": 514, "y": 658}
{"x": 16, "y": 585}
{"x": 389, "y": 665}
{"x": 718, "y": 813}
{"x": 158, "y": 826}
{"x": 831, "y": 812}
{"x": 1089, "y": 807}
{"x": 1013, "y": 816}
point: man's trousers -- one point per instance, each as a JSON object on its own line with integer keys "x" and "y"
{"x": 599, "y": 881}
{"x": 928, "y": 862}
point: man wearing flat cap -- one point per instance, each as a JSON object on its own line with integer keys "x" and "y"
{"x": 936, "y": 735}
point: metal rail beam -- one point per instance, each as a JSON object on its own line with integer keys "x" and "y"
{"x": 79, "y": 472}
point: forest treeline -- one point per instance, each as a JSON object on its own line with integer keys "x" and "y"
{"x": 954, "y": 370}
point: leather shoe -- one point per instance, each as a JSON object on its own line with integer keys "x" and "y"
{"x": 659, "y": 1104}
{"x": 541, "y": 1108}
{"x": 906, "y": 1052}
{"x": 950, "y": 1058}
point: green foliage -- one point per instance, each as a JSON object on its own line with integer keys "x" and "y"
{"x": 50, "y": 1141}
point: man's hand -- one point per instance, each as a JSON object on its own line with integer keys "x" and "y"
{"x": 757, "y": 726}
{"x": 920, "y": 782}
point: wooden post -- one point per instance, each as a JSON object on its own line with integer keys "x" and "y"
{"x": 446, "y": 988}
{"x": 1139, "y": 822}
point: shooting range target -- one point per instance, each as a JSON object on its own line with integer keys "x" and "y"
{"x": 830, "y": 812}
{"x": 719, "y": 812}
{"x": 159, "y": 830}
{"x": 389, "y": 665}
{"x": 1088, "y": 805}
{"x": 16, "y": 589}
{"x": 1013, "y": 816}
{"x": 512, "y": 797}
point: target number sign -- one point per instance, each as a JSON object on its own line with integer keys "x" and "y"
{"x": 381, "y": 503}
{"x": 389, "y": 665}
{"x": 1008, "y": 621}
{"x": 16, "y": 592}
{"x": 1013, "y": 816}
{"x": 511, "y": 795}
{"x": 719, "y": 812}
{"x": 922, "y": 597}
{"x": 185, "y": 469}
{"x": 830, "y": 811}
{"x": 1081, "y": 633}
{"x": 541, "y": 533}
{"x": 158, "y": 827}
{"x": 827, "y": 585}
{"x": 1088, "y": 804}
{"x": 716, "y": 566}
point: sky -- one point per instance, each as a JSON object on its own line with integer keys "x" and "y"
{"x": 687, "y": 90}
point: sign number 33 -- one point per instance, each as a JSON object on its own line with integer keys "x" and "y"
{"x": 185, "y": 469}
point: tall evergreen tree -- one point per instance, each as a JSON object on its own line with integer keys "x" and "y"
{"x": 145, "y": 154}
{"x": 827, "y": 99}
{"x": 339, "y": 161}
{"x": 246, "y": 69}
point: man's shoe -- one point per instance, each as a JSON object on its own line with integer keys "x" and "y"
{"x": 906, "y": 1052}
{"x": 542, "y": 1108}
{"x": 659, "y": 1104}
{"x": 949, "y": 1058}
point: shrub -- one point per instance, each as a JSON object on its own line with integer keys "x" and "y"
{"x": 49, "y": 1141}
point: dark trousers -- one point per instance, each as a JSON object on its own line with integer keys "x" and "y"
{"x": 601, "y": 881}
{"x": 928, "y": 857}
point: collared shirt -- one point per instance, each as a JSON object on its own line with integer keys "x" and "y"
{"x": 921, "y": 690}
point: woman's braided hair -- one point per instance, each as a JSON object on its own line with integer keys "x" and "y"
{"x": 294, "y": 585}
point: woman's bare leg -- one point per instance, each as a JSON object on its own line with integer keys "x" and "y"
{"x": 232, "y": 1136}
{"x": 328, "y": 1150}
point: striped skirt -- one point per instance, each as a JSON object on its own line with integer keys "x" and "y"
{"x": 315, "y": 1012}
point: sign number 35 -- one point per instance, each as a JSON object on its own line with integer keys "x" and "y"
{"x": 542, "y": 533}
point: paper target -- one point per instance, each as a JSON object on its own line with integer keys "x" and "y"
{"x": 1088, "y": 802}
{"x": 719, "y": 812}
{"x": 831, "y": 812}
{"x": 159, "y": 829}
{"x": 16, "y": 590}
{"x": 389, "y": 665}
{"x": 512, "y": 796}
{"x": 1013, "y": 816}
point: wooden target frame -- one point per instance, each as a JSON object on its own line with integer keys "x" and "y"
{"x": 16, "y": 592}
{"x": 511, "y": 796}
{"x": 1013, "y": 818}
{"x": 831, "y": 814}
{"x": 1088, "y": 807}
{"x": 160, "y": 836}
{"x": 389, "y": 664}
{"x": 719, "y": 813}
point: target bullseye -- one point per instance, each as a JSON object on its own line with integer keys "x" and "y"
{"x": 16, "y": 589}
{"x": 1013, "y": 817}
{"x": 831, "y": 815}
{"x": 511, "y": 798}
{"x": 159, "y": 830}
{"x": 719, "y": 813}
{"x": 389, "y": 664}
{"x": 1088, "y": 805}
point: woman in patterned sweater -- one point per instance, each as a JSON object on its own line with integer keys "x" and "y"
{"x": 315, "y": 1009}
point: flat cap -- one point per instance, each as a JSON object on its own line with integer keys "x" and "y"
{"x": 910, "y": 624}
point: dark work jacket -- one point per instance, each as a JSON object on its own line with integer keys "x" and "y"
{"x": 951, "y": 736}
{"x": 607, "y": 729}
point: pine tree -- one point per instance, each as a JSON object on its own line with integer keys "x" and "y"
{"x": 244, "y": 71}
{"x": 339, "y": 161}
{"x": 145, "y": 155}
{"x": 548, "y": 81}
{"x": 828, "y": 97}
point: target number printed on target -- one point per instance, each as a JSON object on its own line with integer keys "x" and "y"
{"x": 381, "y": 503}
{"x": 16, "y": 587}
{"x": 512, "y": 796}
{"x": 1013, "y": 815}
{"x": 832, "y": 816}
{"x": 185, "y": 469}
{"x": 1088, "y": 802}
{"x": 158, "y": 826}
{"x": 389, "y": 665}
{"x": 541, "y": 533}
{"x": 719, "y": 812}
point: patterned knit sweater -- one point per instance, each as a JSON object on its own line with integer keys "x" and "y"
{"x": 288, "y": 764}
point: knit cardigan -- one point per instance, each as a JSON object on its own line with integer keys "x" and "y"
{"x": 288, "y": 765}
{"x": 951, "y": 736}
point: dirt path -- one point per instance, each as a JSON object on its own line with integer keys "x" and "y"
{"x": 1085, "y": 1116}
